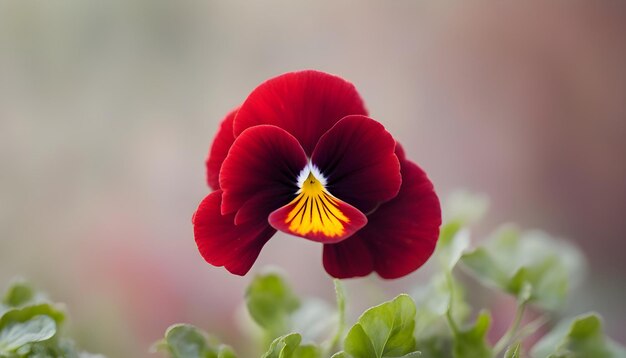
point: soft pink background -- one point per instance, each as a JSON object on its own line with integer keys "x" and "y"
{"x": 107, "y": 110}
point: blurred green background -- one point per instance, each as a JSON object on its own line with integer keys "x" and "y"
{"x": 108, "y": 108}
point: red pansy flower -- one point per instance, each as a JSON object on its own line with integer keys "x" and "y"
{"x": 301, "y": 156}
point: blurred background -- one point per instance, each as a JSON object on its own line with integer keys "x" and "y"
{"x": 108, "y": 108}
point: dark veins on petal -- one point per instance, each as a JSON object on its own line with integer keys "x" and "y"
{"x": 263, "y": 162}
{"x": 357, "y": 157}
{"x": 400, "y": 235}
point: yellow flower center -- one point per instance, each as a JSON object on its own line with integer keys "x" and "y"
{"x": 315, "y": 209}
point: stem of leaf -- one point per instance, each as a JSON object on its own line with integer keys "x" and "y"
{"x": 531, "y": 328}
{"x": 341, "y": 315}
{"x": 512, "y": 331}
{"x": 450, "y": 319}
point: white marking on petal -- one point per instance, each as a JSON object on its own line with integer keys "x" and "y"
{"x": 310, "y": 168}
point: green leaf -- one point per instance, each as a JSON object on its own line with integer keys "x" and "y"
{"x": 471, "y": 342}
{"x": 384, "y": 331}
{"x": 270, "y": 302}
{"x": 31, "y": 327}
{"x": 453, "y": 241}
{"x": 288, "y": 346}
{"x": 513, "y": 261}
{"x": 25, "y": 313}
{"x": 17, "y": 334}
{"x": 581, "y": 337}
{"x": 19, "y": 293}
{"x": 187, "y": 341}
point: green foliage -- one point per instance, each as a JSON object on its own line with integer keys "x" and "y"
{"x": 579, "y": 337}
{"x": 512, "y": 260}
{"x": 19, "y": 293}
{"x": 433, "y": 301}
{"x": 187, "y": 341}
{"x": 17, "y": 334}
{"x": 32, "y": 327}
{"x": 270, "y": 302}
{"x": 288, "y": 346}
{"x": 453, "y": 241}
{"x": 471, "y": 342}
{"x": 433, "y": 322}
{"x": 384, "y": 331}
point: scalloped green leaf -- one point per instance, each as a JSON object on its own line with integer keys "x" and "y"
{"x": 385, "y": 330}
{"x": 581, "y": 336}
{"x": 18, "y": 334}
{"x": 512, "y": 260}
{"x": 27, "y": 312}
{"x": 270, "y": 302}
{"x": 54, "y": 347}
{"x": 288, "y": 346}
{"x": 187, "y": 341}
{"x": 471, "y": 342}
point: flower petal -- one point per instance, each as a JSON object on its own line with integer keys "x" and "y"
{"x": 357, "y": 158}
{"x": 222, "y": 243}
{"x": 400, "y": 152}
{"x": 349, "y": 258}
{"x": 319, "y": 217}
{"x": 219, "y": 149}
{"x": 305, "y": 104}
{"x": 262, "y": 159}
{"x": 400, "y": 235}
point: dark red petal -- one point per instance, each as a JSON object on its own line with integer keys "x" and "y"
{"x": 222, "y": 243}
{"x": 357, "y": 158}
{"x": 404, "y": 231}
{"x": 400, "y": 152}
{"x": 262, "y": 202}
{"x": 401, "y": 234}
{"x": 219, "y": 149}
{"x": 349, "y": 258}
{"x": 305, "y": 103}
{"x": 325, "y": 220}
{"x": 262, "y": 159}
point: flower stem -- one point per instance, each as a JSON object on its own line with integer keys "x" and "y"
{"x": 450, "y": 319}
{"x": 341, "y": 315}
{"x": 512, "y": 331}
{"x": 531, "y": 327}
